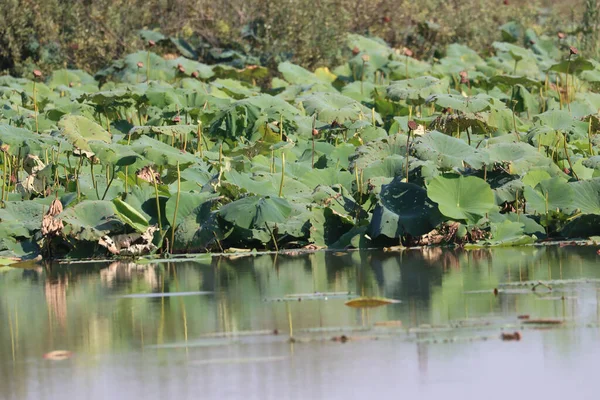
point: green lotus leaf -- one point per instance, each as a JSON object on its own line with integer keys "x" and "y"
{"x": 573, "y": 66}
{"x": 586, "y": 197}
{"x": 331, "y": 107}
{"x": 552, "y": 194}
{"x": 462, "y": 198}
{"x": 254, "y": 212}
{"x": 461, "y": 103}
{"x": 447, "y": 152}
{"x": 90, "y": 220}
{"x": 416, "y": 90}
{"x": 404, "y": 208}
{"x": 130, "y": 215}
{"x": 80, "y": 130}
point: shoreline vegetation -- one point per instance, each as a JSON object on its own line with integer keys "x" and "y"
{"x": 159, "y": 153}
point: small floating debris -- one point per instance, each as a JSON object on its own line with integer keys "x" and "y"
{"x": 553, "y": 282}
{"x": 516, "y": 336}
{"x": 313, "y": 296}
{"x": 370, "y": 302}
{"x": 170, "y": 294}
{"x": 58, "y": 355}
{"x": 264, "y": 332}
{"x": 497, "y": 291}
{"x": 389, "y": 324}
{"x": 524, "y": 316}
{"x": 543, "y": 321}
{"x": 540, "y": 283}
{"x": 330, "y": 329}
{"x": 341, "y": 339}
{"x": 557, "y": 298}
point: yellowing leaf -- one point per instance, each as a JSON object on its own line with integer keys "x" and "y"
{"x": 370, "y": 302}
{"x": 324, "y": 74}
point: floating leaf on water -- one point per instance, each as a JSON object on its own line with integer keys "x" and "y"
{"x": 58, "y": 355}
{"x": 370, "y": 302}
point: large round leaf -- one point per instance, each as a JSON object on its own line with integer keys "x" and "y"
{"x": 79, "y": 130}
{"x": 549, "y": 195}
{"x": 586, "y": 196}
{"x": 254, "y": 212}
{"x": 331, "y": 107}
{"x": 417, "y": 89}
{"x": 447, "y": 152}
{"x": 462, "y": 198}
{"x": 404, "y": 208}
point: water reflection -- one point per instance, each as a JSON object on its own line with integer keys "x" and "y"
{"x": 232, "y": 328}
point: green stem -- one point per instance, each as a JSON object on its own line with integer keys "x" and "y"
{"x": 112, "y": 178}
{"x": 94, "y": 178}
{"x": 282, "y": 174}
{"x": 3, "y": 178}
{"x": 35, "y": 108}
{"x": 126, "y": 178}
{"x": 160, "y": 228}
{"x": 568, "y": 157}
{"x": 176, "y": 207}
{"x": 77, "y": 177}
{"x": 200, "y": 139}
{"x": 272, "y": 237}
{"x": 407, "y": 148}
{"x": 148, "y": 67}
{"x": 567, "y": 83}
{"x": 590, "y": 137}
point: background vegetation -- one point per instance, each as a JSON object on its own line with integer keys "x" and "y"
{"x": 87, "y": 34}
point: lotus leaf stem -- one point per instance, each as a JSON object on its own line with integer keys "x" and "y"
{"x": 111, "y": 181}
{"x": 282, "y": 174}
{"x": 4, "y": 180}
{"x": 160, "y": 228}
{"x": 272, "y": 237}
{"x": 35, "y": 108}
{"x": 199, "y": 134}
{"x": 590, "y": 137}
{"x": 94, "y": 183}
{"x": 569, "y": 157}
{"x": 176, "y": 206}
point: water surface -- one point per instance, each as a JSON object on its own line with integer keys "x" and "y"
{"x": 222, "y": 331}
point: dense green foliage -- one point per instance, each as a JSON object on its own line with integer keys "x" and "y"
{"x": 174, "y": 155}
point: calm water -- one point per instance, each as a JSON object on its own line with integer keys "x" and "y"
{"x": 219, "y": 341}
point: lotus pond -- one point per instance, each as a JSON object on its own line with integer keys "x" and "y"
{"x": 168, "y": 155}
{"x": 220, "y": 327}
